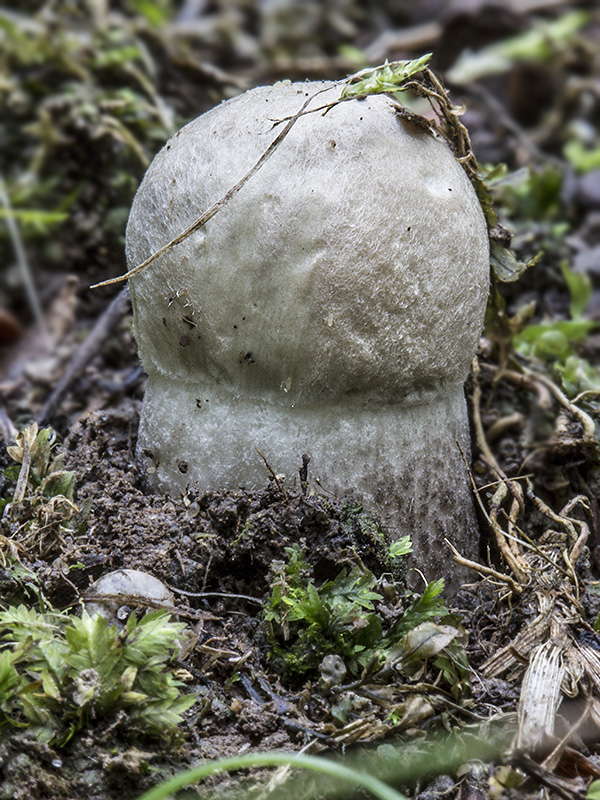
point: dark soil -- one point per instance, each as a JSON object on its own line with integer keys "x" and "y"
{"x": 216, "y": 552}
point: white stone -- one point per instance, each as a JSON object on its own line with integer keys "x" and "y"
{"x": 332, "y": 308}
{"x": 123, "y": 588}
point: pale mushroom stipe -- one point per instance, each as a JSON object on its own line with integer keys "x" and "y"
{"x": 331, "y": 308}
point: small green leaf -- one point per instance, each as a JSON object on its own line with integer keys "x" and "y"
{"x": 353, "y": 54}
{"x": 37, "y": 219}
{"x": 401, "y": 547}
{"x": 388, "y": 77}
{"x": 60, "y": 484}
{"x": 429, "y": 606}
{"x": 581, "y": 158}
{"x": 505, "y": 265}
{"x": 580, "y": 289}
{"x": 12, "y": 473}
{"x": 494, "y": 172}
{"x": 116, "y": 56}
{"x": 553, "y": 340}
{"x": 50, "y": 685}
{"x": 578, "y": 375}
{"x": 593, "y": 792}
{"x": 9, "y": 678}
{"x": 157, "y": 12}
{"x": 427, "y": 640}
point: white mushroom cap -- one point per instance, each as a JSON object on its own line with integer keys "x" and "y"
{"x": 336, "y": 296}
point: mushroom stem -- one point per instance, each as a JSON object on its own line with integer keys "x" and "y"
{"x": 402, "y": 460}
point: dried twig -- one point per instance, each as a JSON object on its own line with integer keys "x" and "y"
{"x": 518, "y": 379}
{"x": 587, "y": 422}
{"x": 417, "y": 38}
{"x": 7, "y": 428}
{"x": 564, "y": 787}
{"x": 272, "y": 473}
{"x": 17, "y": 243}
{"x": 86, "y": 352}
{"x": 483, "y": 570}
{"x": 511, "y": 553}
{"x": 28, "y": 438}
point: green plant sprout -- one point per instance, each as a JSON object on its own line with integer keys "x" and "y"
{"x": 60, "y": 673}
{"x": 33, "y": 451}
{"x": 42, "y": 501}
{"x": 387, "y": 78}
{"x": 555, "y": 341}
{"x": 306, "y": 623}
{"x": 341, "y": 618}
{"x": 322, "y": 765}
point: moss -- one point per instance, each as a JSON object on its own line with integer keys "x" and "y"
{"x": 367, "y": 529}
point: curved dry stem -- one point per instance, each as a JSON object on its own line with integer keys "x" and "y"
{"x": 488, "y": 572}
{"x": 518, "y": 379}
{"x": 587, "y": 422}
{"x": 508, "y": 548}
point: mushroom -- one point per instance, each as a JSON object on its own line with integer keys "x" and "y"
{"x": 331, "y": 309}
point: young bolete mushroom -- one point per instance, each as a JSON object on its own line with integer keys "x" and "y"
{"x": 331, "y": 308}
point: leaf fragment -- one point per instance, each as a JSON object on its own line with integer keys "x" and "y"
{"x": 505, "y": 265}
